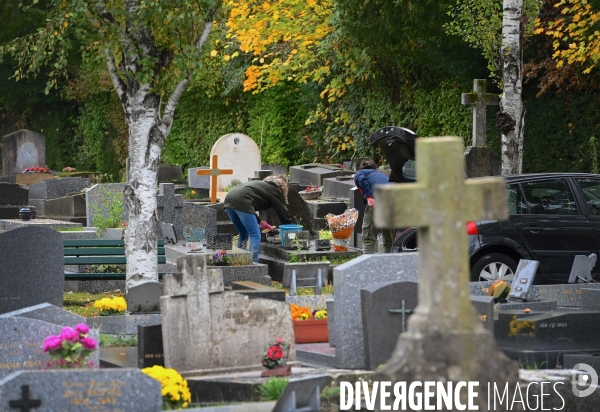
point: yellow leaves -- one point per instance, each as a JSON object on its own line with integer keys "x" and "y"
{"x": 65, "y": 24}
{"x": 226, "y": 57}
{"x": 234, "y": 55}
{"x": 213, "y": 53}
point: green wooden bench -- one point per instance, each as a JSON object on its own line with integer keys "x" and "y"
{"x": 101, "y": 252}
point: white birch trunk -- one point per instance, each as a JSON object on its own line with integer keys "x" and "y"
{"x": 511, "y": 118}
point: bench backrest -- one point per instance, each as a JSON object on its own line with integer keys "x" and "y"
{"x": 94, "y": 251}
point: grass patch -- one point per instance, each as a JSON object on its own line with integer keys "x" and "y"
{"x": 272, "y": 388}
{"x": 71, "y": 229}
{"x": 109, "y": 341}
{"x": 326, "y": 290}
{"x": 82, "y": 303}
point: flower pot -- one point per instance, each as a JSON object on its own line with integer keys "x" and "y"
{"x": 311, "y": 331}
{"x": 281, "y": 370}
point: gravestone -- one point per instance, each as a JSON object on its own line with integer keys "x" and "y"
{"x": 21, "y": 150}
{"x": 238, "y": 152}
{"x": 150, "y": 346}
{"x": 484, "y": 305}
{"x": 200, "y": 216}
{"x": 480, "y": 160}
{"x": 349, "y": 278}
{"x": 199, "y": 182}
{"x": 523, "y": 280}
{"x": 275, "y": 168}
{"x": 169, "y": 173}
{"x": 47, "y": 313}
{"x": 439, "y": 204}
{"x": 12, "y": 198}
{"x": 581, "y": 271}
{"x": 313, "y": 174}
{"x": 205, "y": 328}
{"x": 305, "y": 275}
{"x": 31, "y": 268}
{"x": 169, "y": 207}
{"x": 81, "y": 390}
{"x": 22, "y": 341}
{"x": 144, "y": 297}
{"x": 385, "y": 308}
{"x": 99, "y": 196}
{"x": 55, "y": 188}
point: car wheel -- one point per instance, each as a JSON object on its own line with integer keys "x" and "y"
{"x": 494, "y": 266}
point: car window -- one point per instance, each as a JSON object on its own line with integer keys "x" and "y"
{"x": 591, "y": 192}
{"x": 516, "y": 204}
{"x": 549, "y": 197}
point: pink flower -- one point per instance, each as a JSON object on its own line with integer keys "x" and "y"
{"x": 52, "y": 343}
{"x": 89, "y": 343}
{"x": 280, "y": 340}
{"x": 82, "y": 328}
{"x": 69, "y": 334}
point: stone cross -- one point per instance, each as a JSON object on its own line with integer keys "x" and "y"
{"x": 440, "y": 204}
{"x": 213, "y": 172}
{"x": 479, "y": 99}
{"x": 403, "y": 311}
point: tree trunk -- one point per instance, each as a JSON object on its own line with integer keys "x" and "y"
{"x": 145, "y": 145}
{"x": 511, "y": 118}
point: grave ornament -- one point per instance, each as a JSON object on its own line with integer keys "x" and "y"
{"x": 220, "y": 241}
{"x": 214, "y": 172}
{"x": 439, "y": 204}
{"x": 523, "y": 279}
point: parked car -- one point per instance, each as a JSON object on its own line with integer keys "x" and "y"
{"x": 552, "y": 218}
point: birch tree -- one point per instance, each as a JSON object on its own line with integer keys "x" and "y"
{"x": 511, "y": 118}
{"x": 151, "y": 49}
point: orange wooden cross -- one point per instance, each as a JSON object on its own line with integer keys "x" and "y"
{"x": 213, "y": 172}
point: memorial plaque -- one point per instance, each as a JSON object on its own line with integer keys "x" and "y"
{"x": 581, "y": 271}
{"x": 220, "y": 241}
{"x": 150, "y": 346}
{"x": 523, "y": 279}
{"x": 81, "y": 390}
{"x": 194, "y": 234}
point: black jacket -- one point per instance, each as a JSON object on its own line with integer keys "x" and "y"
{"x": 257, "y": 195}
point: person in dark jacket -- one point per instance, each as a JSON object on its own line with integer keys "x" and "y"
{"x": 365, "y": 180}
{"x": 244, "y": 200}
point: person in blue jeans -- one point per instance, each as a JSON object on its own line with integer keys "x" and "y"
{"x": 243, "y": 201}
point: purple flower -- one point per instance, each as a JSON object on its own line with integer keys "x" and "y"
{"x": 52, "y": 343}
{"x": 68, "y": 333}
{"x": 82, "y": 328}
{"x": 217, "y": 256}
{"x": 89, "y": 343}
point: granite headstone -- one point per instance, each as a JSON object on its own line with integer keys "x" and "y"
{"x": 220, "y": 241}
{"x": 198, "y": 181}
{"x": 21, "y": 150}
{"x": 55, "y": 188}
{"x": 170, "y": 207}
{"x": 385, "y": 308}
{"x": 12, "y": 198}
{"x": 144, "y": 297}
{"x": 150, "y": 346}
{"x": 32, "y": 268}
{"x": 47, "y": 313}
{"x": 200, "y": 216}
{"x": 81, "y": 390}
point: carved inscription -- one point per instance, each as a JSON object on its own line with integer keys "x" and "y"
{"x": 95, "y": 396}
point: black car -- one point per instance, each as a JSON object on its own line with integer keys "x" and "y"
{"x": 552, "y": 218}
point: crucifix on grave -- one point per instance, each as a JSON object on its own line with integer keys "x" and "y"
{"x": 25, "y": 404}
{"x": 402, "y": 311}
{"x": 213, "y": 172}
{"x": 480, "y": 159}
{"x": 440, "y": 204}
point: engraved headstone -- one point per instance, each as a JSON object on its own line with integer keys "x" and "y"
{"x": 197, "y": 181}
{"x": 144, "y": 297}
{"x": 523, "y": 279}
{"x": 198, "y": 215}
{"x": 150, "y": 346}
{"x": 581, "y": 271}
{"x": 205, "y": 327}
{"x": 385, "y": 309}
{"x": 81, "y": 390}
{"x": 21, "y": 150}
{"x": 439, "y": 204}
{"x": 220, "y": 241}
{"x": 238, "y": 152}
{"x": 31, "y": 268}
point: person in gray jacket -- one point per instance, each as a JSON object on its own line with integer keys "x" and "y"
{"x": 243, "y": 201}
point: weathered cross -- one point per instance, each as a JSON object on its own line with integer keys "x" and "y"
{"x": 213, "y": 172}
{"x": 479, "y": 99}
{"x": 25, "y": 404}
{"x": 402, "y": 311}
{"x": 439, "y": 204}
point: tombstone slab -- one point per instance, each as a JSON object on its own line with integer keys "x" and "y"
{"x": 80, "y": 390}
{"x": 144, "y": 297}
{"x": 198, "y": 181}
{"x": 205, "y": 328}
{"x": 238, "y": 152}
{"x": 381, "y": 324}
{"x": 21, "y": 150}
{"x": 349, "y": 278}
{"x": 169, "y": 173}
{"x": 170, "y": 207}
{"x": 55, "y": 188}
{"x": 32, "y": 268}
{"x": 47, "y": 313}
{"x": 150, "y": 346}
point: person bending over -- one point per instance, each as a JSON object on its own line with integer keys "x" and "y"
{"x": 365, "y": 179}
{"x": 244, "y": 200}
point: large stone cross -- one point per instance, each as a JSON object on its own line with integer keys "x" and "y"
{"x": 440, "y": 204}
{"x": 479, "y": 99}
{"x": 213, "y": 172}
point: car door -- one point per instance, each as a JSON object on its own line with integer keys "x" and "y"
{"x": 590, "y": 191}
{"x": 555, "y": 229}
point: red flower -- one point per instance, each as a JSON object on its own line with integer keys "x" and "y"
{"x": 275, "y": 353}
{"x": 223, "y": 252}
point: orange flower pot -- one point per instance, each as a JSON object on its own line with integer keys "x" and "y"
{"x": 311, "y": 331}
